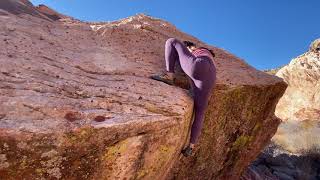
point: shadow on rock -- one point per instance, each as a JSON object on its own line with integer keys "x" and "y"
{"x": 276, "y": 163}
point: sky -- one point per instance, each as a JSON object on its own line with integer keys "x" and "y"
{"x": 266, "y": 34}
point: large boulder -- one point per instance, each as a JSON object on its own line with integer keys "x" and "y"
{"x": 301, "y": 100}
{"x": 76, "y": 103}
{"x": 299, "y": 108}
{"x": 297, "y": 139}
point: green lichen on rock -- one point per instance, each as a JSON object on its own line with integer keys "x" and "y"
{"x": 241, "y": 142}
{"x": 257, "y": 127}
{"x": 115, "y": 150}
{"x": 82, "y": 135}
{"x": 142, "y": 173}
{"x": 233, "y": 126}
{"x": 161, "y": 156}
{"x": 165, "y": 152}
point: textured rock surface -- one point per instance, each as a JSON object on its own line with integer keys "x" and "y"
{"x": 301, "y": 100}
{"x": 277, "y": 164}
{"x": 76, "y": 103}
{"x": 315, "y": 46}
{"x": 300, "y": 105}
{"x": 294, "y": 153}
{"x": 50, "y": 13}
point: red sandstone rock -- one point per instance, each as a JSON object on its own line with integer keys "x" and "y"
{"x": 50, "y": 13}
{"x": 57, "y": 77}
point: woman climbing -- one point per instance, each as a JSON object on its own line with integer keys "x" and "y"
{"x": 198, "y": 65}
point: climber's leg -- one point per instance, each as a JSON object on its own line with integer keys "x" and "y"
{"x": 191, "y": 88}
{"x": 177, "y": 51}
{"x": 200, "y": 104}
{"x": 197, "y": 123}
{"x": 204, "y": 78}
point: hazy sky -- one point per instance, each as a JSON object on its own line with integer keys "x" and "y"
{"x": 267, "y": 34}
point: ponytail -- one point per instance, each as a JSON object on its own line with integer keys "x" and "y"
{"x": 190, "y": 44}
{"x": 211, "y": 51}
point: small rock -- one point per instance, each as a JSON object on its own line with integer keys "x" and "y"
{"x": 72, "y": 116}
{"x": 11, "y": 29}
{"x": 2, "y": 116}
{"x": 99, "y": 118}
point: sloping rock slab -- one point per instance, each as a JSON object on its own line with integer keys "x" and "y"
{"x": 76, "y": 103}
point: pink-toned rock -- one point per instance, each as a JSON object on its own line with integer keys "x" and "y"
{"x": 19, "y": 7}
{"x": 76, "y": 103}
{"x": 301, "y": 100}
{"x": 50, "y": 13}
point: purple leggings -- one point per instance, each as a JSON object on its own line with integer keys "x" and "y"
{"x": 202, "y": 73}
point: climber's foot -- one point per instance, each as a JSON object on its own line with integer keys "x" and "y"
{"x": 190, "y": 92}
{"x": 165, "y": 77}
{"x": 187, "y": 151}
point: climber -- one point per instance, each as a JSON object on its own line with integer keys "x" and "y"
{"x": 197, "y": 63}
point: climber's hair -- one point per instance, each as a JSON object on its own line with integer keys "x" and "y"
{"x": 191, "y": 44}
{"x": 211, "y": 51}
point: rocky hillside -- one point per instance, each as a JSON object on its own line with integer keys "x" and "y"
{"x": 301, "y": 100}
{"x": 295, "y": 151}
{"x": 300, "y": 105}
{"x": 76, "y": 102}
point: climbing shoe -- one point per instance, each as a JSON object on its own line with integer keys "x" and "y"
{"x": 187, "y": 151}
{"x": 163, "y": 77}
{"x": 190, "y": 92}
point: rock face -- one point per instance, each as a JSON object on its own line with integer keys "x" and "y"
{"x": 294, "y": 152}
{"x": 76, "y": 103}
{"x": 301, "y": 100}
{"x": 50, "y": 13}
{"x": 299, "y": 108}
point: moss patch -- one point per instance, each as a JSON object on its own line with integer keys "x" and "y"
{"x": 240, "y": 143}
{"x": 114, "y": 151}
